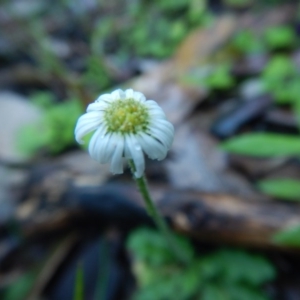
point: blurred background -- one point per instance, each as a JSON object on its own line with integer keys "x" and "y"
{"x": 227, "y": 74}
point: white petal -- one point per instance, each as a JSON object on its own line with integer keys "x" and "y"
{"x": 167, "y": 124}
{"x": 97, "y": 106}
{"x": 139, "y": 96}
{"x": 86, "y": 124}
{"x": 164, "y": 137}
{"x": 136, "y": 154}
{"x": 107, "y": 148}
{"x": 96, "y": 141}
{"x": 116, "y": 166}
{"x": 117, "y": 94}
{"x": 153, "y": 148}
{"x": 162, "y": 125}
{"x": 127, "y": 153}
{"x": 157, "y": 113}
{"x": 104, "y": 98}
{"x": 129, "y": 93}
{"x": 152, "y": 104}
{"x": 93, "y": 115}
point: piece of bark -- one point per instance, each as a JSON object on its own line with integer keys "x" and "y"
{"x": 197, "y": 163}
{"x": 216, "y": 218}
{"x": 255, "y": 167}
{"x": 228, "y": 219}
{"x": 229, "y": 124}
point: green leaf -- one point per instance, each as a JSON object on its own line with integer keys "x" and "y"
{"x": 238, "y": 3}
{"x": 281, "y": 79}
{"x": 169, "y": 5}
{"x": 279, "y": 67}
{"x": 166, "y": 283}
{"x": 296, "y": 109}
{"x": 233, "y": 265}
{"x": 178, "y": 30}
{"x": 21, "y": 287}
{"x": 29, "y": 140}
{"x": 151, "y": 247}
{"x": 282, "y": 188}
{"x": 79, "y": 284}
{"x": 58, "y": 123}
{"x": 96, "y": 77}
{"x": 289, "y": 236}
{"x": 220, "y": 78}
{"x": 246, "y": 42}
{"x": 223, "y": 275}
{"x": 264, "y": 145}
{"x": 280, "y": 36}
{"x": 213, "y": 292}
{"x": 244, "y": 292}
{"x": 285, "y": 91}
{"x": 191, "y": 279}
{"x": 43, "y": 99}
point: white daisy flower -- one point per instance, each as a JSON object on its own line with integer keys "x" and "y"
{"x": 126, "y": 125}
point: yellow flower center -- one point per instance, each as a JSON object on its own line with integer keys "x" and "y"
{"x": 126, "y": 116}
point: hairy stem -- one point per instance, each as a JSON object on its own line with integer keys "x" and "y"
{"x": 158, "y": 219}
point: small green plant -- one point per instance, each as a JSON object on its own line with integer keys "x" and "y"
{"x": 262, "y": 145}
{"x": 220, "y": 78}
{"x": 211, "y": 77}
{"x": 239, "y": 3}
{"x": 288, "y": 189}
{"x": 246, "y": 42}
{"x": 134, "y": 31}
{"x": 273, "y": 38}
{"x": 225, "y": 274}
{"x": 280, "y": 37}
{"x": 55, "y": 131}
{"x": 288, "y": 236}
{"x": 96, "y": 77}
{"x": 281, "y": 79}
{"x": 21, "y": 287}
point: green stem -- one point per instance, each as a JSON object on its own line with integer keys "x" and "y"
{"x": 158, "y": 219}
